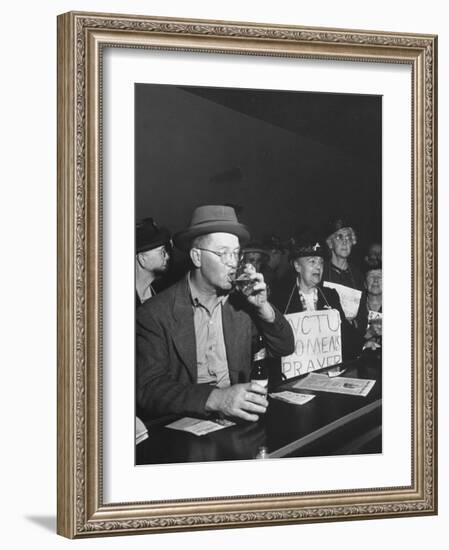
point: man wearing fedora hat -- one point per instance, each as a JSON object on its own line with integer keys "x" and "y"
{"x": 253, "y": 253}
{"x": 152, "y": 257}
{"x": 194, "y": 340}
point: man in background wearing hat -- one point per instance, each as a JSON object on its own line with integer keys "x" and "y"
{"x": 277, "y": 265}
{"x": 306, "y": 293}
{"x": 340, "y": 238}
{"x": 374, "y": 254}
{"x": 194, "y": 339}
{"x": 254, "y": 254}
{"x": 152, "y": 257}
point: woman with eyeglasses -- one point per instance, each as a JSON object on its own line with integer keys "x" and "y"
{"x": 340, "y": 239}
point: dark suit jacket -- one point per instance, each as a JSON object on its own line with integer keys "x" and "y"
{"x": 166, "y": 378}
{"x": 288, "y": 301}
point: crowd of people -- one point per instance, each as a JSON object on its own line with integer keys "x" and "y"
{"x": 195, "y": 333}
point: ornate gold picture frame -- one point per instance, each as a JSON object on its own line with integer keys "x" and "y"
{"x": 83, "y": 39}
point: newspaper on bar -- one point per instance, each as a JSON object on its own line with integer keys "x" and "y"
{"x": 322, "y": 382}
{"x": 317, "y": 342}
{"x": 199, "y": 427}
{"x": 349, "y": 298}
{"x": 141, "y": 431}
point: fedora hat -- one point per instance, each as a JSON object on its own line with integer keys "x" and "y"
{"x": 211, "y": 218}
{"x": 256, "y": 246}
{"x": 149, "y": 235}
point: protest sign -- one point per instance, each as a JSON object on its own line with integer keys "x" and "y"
{"x": 317, "y": 341}
{"x": 349, "y": 298}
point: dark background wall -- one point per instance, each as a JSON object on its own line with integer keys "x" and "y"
{"x": 287, "y": 159}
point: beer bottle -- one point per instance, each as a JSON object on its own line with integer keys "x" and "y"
{"x": 259, "y": 370}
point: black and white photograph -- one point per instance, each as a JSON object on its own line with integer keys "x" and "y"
{"x": 258, "y": 274}
{"x": 229, "y": 193}
{"x": 199, "y": 199}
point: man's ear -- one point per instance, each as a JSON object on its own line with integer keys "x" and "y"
{"x": 329, "y": 244}
{"x": 296, "y": 265}
{"x": 195, "y": 256}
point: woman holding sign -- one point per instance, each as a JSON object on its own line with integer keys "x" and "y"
{"x": 321, "y": 339}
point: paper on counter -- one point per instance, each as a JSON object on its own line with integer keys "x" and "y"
{"x": 199, "y": 427}
{"x": 335, "y": 371}
{"x": 292, "y": 397}
{"x": 141, "y": 431}
{"x": 322, "y": 382}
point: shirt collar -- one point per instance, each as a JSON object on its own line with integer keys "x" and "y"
{"x": 309, "y": 295}
{"x": 197, "y": 298}
{"x": 144, "y": 287}
{"x": 145, "y": 293}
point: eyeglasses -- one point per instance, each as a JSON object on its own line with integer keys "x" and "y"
{"x": 343, "y": 237}
{"x": 225, "y": 256}
{"x": 163, "y": 250}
